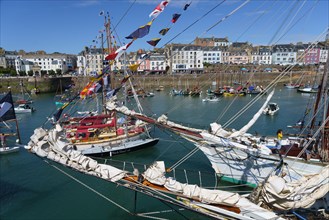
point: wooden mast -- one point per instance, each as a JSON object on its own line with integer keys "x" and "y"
{"x": 324, "y": 151}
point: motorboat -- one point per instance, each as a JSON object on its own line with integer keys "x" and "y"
{"x": 271, "y": 109}
{"x": 24, "y": 108}
{"x": 211, "y": 98}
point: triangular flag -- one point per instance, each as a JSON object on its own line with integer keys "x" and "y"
{"x": 154, "y": 41}
{"x": 164, "y": 31}
{"x": 116, "y": 55}
{"x": 134, "y": 67}
{"x": 175, "y": 18}
{"x": 186, "y": 6}
{"x": 141, "y": 31}
{"x": 158, "y": 9}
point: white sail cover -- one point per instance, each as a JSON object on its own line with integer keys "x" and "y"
{"x": 48, "y": 144}
{"x": 297, "y": 194}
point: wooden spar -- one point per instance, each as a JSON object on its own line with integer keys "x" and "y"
{"x": 172, "y": 128}
{"x": 146, "y": 183}
{"x": 324, "y": 152}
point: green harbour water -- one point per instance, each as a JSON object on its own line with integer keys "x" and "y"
{"x": 32, "y": 189}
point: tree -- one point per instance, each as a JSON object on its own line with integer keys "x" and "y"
{"x": 22, "y": 73}
{"x": 58, "y": 71}
{"x": 30, "y": 73}
{"x": 51, "y": 72}
{"x": 13, "y": 72}
{"x": 205, "y": 64}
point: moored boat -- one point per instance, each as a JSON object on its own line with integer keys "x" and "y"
{"x": 24, "y": 108}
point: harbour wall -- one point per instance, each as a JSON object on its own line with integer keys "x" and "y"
{"x": 150, "y": 82}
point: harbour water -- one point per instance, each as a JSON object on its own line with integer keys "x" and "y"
{"x": 32, "y": 189}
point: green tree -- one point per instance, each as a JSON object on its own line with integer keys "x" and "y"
{"x": 22, "y": 73}
{"x": 58, "y": 71}
{"x": 30, "y": 73}
{"x": 13, "y": 72}
{"x": 51, "y": 72}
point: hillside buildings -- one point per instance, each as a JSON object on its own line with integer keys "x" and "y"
{"x": 173, "y": 58}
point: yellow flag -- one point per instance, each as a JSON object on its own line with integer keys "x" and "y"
{"x": 134, "y": 67}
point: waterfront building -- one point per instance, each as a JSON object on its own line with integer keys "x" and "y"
{"x": 184, "y": 58}
{"x": 312, "y": 56}
{"x": 324, "y": 52}
{"x": 143, "y": 59}
{"x": 157, "y": 63}
{"x": 261, "y": 55}
{"x": 284, "y": 54}
{"x": 239, "y": 53}
{"x": 46, "y": 62}
{"x": 225, "y": 55}
{"x": 212, "y": 55}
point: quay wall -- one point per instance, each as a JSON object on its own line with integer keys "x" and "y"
{"x": 150, "y": 82}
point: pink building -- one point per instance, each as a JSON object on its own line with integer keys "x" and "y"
{"x": 312, "y": 56}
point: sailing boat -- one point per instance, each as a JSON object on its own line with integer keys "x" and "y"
{"x": 24, "y": 104}
{"x": 7, "y": 115}
{"x": 152, "y": 182}
{"x": 24, "y": 97}
{"x": 102, "y": 133}
{"x": 238, "y": 157}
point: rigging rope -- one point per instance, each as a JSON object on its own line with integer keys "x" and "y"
{"x": 88, "y": 187}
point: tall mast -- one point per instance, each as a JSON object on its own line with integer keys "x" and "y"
{"x": 324, "y": 151}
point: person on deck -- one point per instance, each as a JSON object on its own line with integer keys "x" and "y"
{"x": 279, "y": 134}
{"x": 3, "y": 140}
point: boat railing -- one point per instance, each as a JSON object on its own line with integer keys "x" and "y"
{"x": 204, "y": 179}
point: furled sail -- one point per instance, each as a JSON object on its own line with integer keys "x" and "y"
{"x": 245, "y": 128}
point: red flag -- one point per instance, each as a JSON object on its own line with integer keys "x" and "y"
{"x": 158, "y": 9}
{"x": 175, "y": 18}
{"x": 118, "y": 52}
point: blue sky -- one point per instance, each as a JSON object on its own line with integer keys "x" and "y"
{"x": 67, "y": 26}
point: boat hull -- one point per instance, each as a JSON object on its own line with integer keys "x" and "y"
{"x": 237, "y": 166}
{"x": 122, "y": 147}
{"x": 8, "y": 150}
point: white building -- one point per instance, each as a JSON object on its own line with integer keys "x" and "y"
{"x": 284, "y": 54}
{"x": 212, "y": 55}
{"x": 186, "y": 58}
{"x": 323, "y": 55}
{"x": 157, "y": 62}
{"x": 46, "y": 62}
{"x": 261, "y": 55}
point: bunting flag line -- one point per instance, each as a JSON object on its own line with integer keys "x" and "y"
{"x": 59, "y": 112}
{"x": 175, "y": 17}
{"x": 101, "y": 13}
{"x": 164, "y": 31}
{"x": 141, "y": 31}
{"x": 154, "y": 41}
{"x": 158, "y": 9}
{"x": 116, "y": 55}
{"x": 7, "y": 111}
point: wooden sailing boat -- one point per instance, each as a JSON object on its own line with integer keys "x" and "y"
{"x": 7, "y": 116}
{"x": 153, "y": 182}
{"x": 105, "y": 132}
